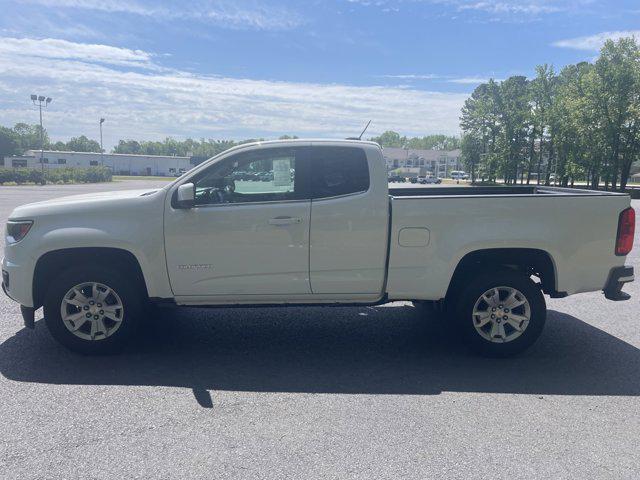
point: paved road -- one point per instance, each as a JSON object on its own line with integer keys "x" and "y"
{"x": 322, "y": 392}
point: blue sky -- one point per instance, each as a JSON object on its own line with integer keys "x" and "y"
{"x": 243, "y": 68}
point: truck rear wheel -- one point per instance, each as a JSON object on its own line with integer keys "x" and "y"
{"x": 92, "y": 310}
{"x": 501, "y": 313}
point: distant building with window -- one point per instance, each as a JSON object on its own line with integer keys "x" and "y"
{"x": 119, "y": 163}
{"x": 421, "y": 162}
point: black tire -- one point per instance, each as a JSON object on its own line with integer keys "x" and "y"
{"x": 465, "y": 301}
{"x": 130, "y": 295}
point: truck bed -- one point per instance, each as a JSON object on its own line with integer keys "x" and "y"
{"x": 507, "y": 190}
{"x": 576, "y": 228}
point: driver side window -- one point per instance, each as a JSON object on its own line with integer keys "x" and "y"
{"x": 258, "y": 176}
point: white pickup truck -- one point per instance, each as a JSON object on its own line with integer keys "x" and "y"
{"x": 313, "y": 223}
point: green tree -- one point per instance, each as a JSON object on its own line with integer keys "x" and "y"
{"x": 575, "y": 130}
{"x": 471, "y": 153}
{"x": 81, "y": 144}
{"x": 390, "y": 139}
{"x": 8, "y": 142}
{"x": 127, "y": 146}
{"x": 434, "y": 142}
{"x": 514, "y": 117}
{"x": 542, "y": 92}
{"x": 481, "y": 118}
{"x": 426, "y": 142}
{"x": 28, "y": 137}
{"x": 582, "y": 124}
{"x": 615, "y": 96}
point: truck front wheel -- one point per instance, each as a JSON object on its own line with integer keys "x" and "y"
{"x": 500, "y": 313}
{"x": 92, "y": 310}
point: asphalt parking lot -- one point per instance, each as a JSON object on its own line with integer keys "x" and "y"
{"x": 382, "y": 392}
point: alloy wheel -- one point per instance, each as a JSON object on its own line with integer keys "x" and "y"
{"x": 501, "y": 314}
{"x": 92, "y": 311}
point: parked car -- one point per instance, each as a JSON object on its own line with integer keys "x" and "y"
{"x": 336, "y": 235}
{"x": 396, "y": 178}
{"x": 459, "y": 175}
{"x": 432, "y": 179}
{"x": 425, "y": 179}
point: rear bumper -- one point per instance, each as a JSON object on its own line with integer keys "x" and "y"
{"x": 617, "y": 278}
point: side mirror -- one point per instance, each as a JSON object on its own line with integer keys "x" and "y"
{"x": 186, "y": 195}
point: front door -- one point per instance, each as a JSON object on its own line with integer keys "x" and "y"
{"x": 248, "y": 233}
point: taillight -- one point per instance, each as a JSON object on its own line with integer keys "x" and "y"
{"x": 626, "y": 227}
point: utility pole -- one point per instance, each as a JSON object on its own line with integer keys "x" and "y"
{"x": 101, "y": 149}
{"x": 40, "y": 101}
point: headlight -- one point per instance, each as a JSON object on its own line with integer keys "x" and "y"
{"x": 17, "y": 230}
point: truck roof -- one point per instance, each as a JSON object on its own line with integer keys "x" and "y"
{"x": 348, "y": 141}
{"x": 298, "y": 141}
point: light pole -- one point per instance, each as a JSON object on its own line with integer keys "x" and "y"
{"x": 40, "y": 101}
{"x": 101, "y": 149}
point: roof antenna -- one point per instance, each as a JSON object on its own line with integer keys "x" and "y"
{"x": 360, "y": 137}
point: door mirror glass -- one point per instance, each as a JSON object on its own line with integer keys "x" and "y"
{"x": 186, "y": 195}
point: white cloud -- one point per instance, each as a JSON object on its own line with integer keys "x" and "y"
{"x": 154, "y": 102}
{"x": 513, "y": 7}
{"x": 499, "y": 10}
{"x": 253, "y": 14}
{"x": 593, "y": 43}
{"x": 57, "y": 49}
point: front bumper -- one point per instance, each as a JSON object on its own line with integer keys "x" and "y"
{"x": 617, "y": 278}
{"x": 28, "y": 313}
{"x": 17, "y": 281}
{"x": 5, "y": 284}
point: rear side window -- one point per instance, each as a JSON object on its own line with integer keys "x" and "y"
{"x": 338, "y": 171}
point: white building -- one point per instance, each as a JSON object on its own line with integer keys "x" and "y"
{"x": 119, "y": 163}
{"x": 421, "y": 162}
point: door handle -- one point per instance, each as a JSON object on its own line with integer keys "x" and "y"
{"x": 285, "y": 220}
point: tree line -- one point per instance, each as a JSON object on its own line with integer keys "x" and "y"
{"x": 581, "y": 124}
{"x": 22, "y": 137}
{"x": 427, "y": 142}
{"x": 204, "y": 148}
